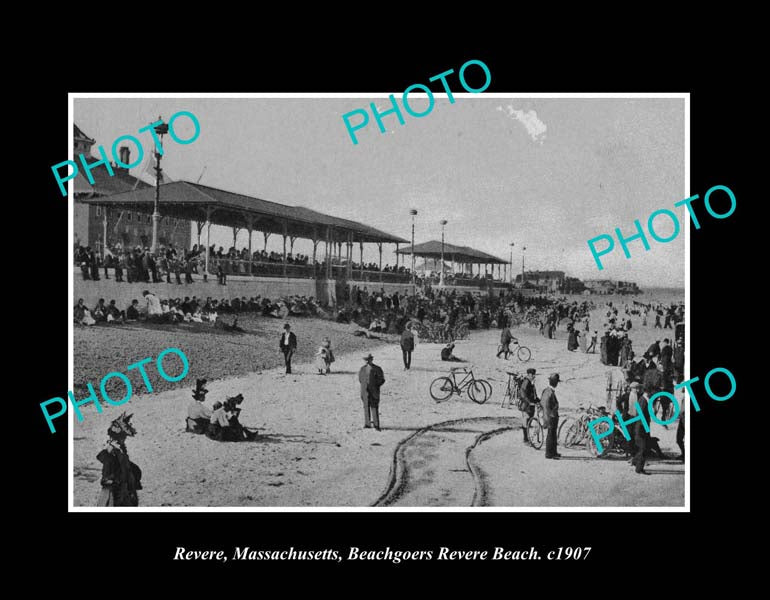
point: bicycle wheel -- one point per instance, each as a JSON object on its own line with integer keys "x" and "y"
{"x": 487, "y": 386}
{"x": 561, "y": 433}
{"x": 441, "y": 389}
{"x": 602, "y": 427}
{"x": 477, "y": 392}
{"x": 523, "y": 354}
{"x": 535, "y": 433}
{"x": 573, "y": 435}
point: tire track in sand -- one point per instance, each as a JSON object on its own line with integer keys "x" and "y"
{"x": 434, "y": 465}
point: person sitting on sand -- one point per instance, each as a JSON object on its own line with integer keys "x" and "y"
{"x": 132, "y": 313}
{"x": 114, "y": 315}
{"x": 224, "y": 424}
{"x": 447, "y": 355}
{"x": 198, "y": 416}
{"x": 82, "y": 314}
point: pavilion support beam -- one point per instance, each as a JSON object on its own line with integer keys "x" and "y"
{"x": 292, "y": 239}
{"x": 285, "y": 228}
{"x": 208, "y": 243}
{"x": 235, "y": 235}
{"x": 396, "y": 256}
{"x": 328, "y": 253}
{"x": 250, "y": 227}
{"x": 361, "y": 254}
{"x": 266, "y": 236}
{"x": 315, "y": 248}
{"x": 349, "y": 256}
{"x": 379, "y": 245}
{"x": 104, "y": 235}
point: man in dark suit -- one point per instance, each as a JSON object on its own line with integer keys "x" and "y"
{"x": 551, "y": 411}
{"x": 407, "y": 346}
{"x": 288, "y": 345}
{"x": 371, "y": 378}
{"x": 641, "y": 436}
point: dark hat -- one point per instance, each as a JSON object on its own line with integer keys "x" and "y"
{"x": 369, "y": 357}
{"x": 200, "y": 388}
{"x": 531, "y": 371}
{"x": 287, "y": 326}
{"x": 121, "y": 426}
{"x": 554, "y": 377}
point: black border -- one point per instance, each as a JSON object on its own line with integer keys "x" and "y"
{"x": 145, "y": 542}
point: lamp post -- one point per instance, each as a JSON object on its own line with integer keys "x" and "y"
{"x": 161, "y": 130}
{"x": 523, "y": 248}
{"x": 510, "y": 277}
{"x": 413, "y": 212}
{"x": 441, "y": 279}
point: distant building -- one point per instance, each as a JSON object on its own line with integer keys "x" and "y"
{"x": 608, "y": 286}
{"x": 543, "y": 281}
{"x": 128, "y": 227}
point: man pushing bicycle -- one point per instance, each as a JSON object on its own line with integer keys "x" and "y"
{"x": 506, "y": 337}
{"x": 527, "y": 400}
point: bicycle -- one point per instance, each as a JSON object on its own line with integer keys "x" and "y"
{"x": 512, "y": 389}
{"x": 578, "y": 432}
{"x": 442, "y": 388}
{"x": 522, "y": 353}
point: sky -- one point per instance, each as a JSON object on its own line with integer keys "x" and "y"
{"x": 547, "y": 174}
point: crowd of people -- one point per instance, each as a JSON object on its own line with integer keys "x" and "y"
{"x": 139, "y": 264}
{"x": 192, "y": 309}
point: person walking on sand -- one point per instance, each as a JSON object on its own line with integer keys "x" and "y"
{"x": 288, "y": 345}
{"x": 371, "y": 378}
{"x": 407, "y": 346}
{"x": 592, "y": 347}
{"x": 551, "y": 413}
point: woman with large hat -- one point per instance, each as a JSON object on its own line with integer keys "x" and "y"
{"x": 120, "y": 477}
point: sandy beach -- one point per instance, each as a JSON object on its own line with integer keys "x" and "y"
{"x": 313, "y": 451}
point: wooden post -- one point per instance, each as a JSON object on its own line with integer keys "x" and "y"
{"x": 379, "y": 245}
{"x": 315, "y": 246}
{"x": 208, "y": 243}
{"x": 250, "y": 225}
{"x": 104, "y": 239}
{"x": 284, "y": 248}
{"x": 361, "y": 254}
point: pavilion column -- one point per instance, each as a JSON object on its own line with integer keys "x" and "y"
{"x": 250, "y": 227}
{"x": 315, "y": 247}
{"x": 104, "y": 226}
{"x": 328, "y": 253}
{"x": 349, "y": 266}
{"x": 396, "y": 257}
{"x": 361, "y": 254}
{"x": 284, "y": 248}
{"x": 266, "y": 235}
{"x": 208, "y": 243}
{"x": 379, "y": 245}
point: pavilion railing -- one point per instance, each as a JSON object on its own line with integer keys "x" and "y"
{"x": 276, "y": 269}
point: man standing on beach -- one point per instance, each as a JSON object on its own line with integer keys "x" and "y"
{"x": 407, "y": 346}
{"x": 288, "y": 345}
{"x": 551, "y": 411}
{"x": 371, "y": 378}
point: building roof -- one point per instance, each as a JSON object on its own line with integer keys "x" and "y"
{"x": 186, "y": 200}
{"x": 432, "y": 249}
